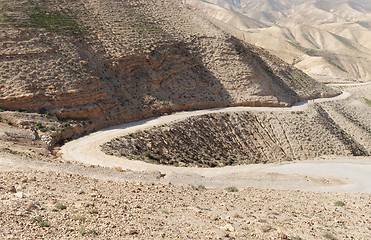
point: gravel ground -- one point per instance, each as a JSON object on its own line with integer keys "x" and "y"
{"x": 57, "y": 199}
{"x": 50, "y": 205}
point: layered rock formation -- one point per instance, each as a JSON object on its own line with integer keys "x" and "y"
{"x": 133, "y": 59}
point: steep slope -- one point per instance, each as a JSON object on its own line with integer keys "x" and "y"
{"x": 302, "y": 32}
{"x": 223, "y": 139}
{"x": 116, "y": 61}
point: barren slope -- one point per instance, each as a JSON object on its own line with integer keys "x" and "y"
{"x": 116, "y": 61}
{"x": 239, "y": 138}
{"x": 326, "y": 39}
{"x": 55, "y": 205}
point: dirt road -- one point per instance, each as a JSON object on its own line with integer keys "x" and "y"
{"x": 344, "y": 175}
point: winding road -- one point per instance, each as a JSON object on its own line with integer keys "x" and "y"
{"x": 338, "y": 174}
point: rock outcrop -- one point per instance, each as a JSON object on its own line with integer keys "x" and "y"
{"x": 118, "y": 61}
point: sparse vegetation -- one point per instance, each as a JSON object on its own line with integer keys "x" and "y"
{"x": 94, "y": 211}
{"x": 368, "y": 102}
{"x": 84, "y": 232}
{"x": 231, "y": 189}
{"x": 16, "y": 152}
{"x": 54, "y": 21}
{"x": 40, "y": 222}
{"x": 266, "y": 228}
{"x": 121, "y": 73}
{"x": 79, "y": 218}
{"x": 145, "y": 27}
{"x": 40, "y": 126}
{"x": 63, "y": 22}
{"x": 198, "y": 187}
{"x": 339, "y": 203}
{"x": 155, "y": 158}
{"x": 237, "y": 215}
{"x": 60, "y": 206}
{"x": 329, "y": 236}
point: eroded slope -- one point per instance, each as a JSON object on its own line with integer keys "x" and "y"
{"x": 222, "y": 139}
{"x": 116, "y": 61}
{"x": 326, "y": 39}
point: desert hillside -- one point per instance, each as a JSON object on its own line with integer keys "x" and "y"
{"x": 223, "y": 139}
{"x": 328, "y": 40}
{"x": 200, "y": 134}
{"x": 115, "y": 61}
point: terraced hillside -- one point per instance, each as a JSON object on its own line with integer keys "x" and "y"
{"x": 116, "y": 61}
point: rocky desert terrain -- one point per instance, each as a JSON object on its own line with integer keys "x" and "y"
{"x": 45, "y": 204}
{"x": 107, "y": 62}
{"x": 328, "y": 40}
{"x": 49, "y": 197}
{"x": 217, "y": 137}
{"x": 217, "y": 140}
{"x": 220, "y": 139}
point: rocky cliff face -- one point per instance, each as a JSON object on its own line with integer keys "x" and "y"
{"x": 117, "y": 61}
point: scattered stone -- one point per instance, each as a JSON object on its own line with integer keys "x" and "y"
{"x": 19, "y": 195}
{"x": 132, "y": 232}
{"x": 228, "y": 227}
{"x": 12, "y": 189}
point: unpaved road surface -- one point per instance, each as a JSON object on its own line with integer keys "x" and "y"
{"x": 337, "y": 174}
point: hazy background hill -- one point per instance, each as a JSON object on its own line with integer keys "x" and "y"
{"x": 329, "y": 40}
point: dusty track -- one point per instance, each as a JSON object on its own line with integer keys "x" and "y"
{"x": 344, "y": 175}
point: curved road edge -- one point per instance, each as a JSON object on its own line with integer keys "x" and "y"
{"x": 87, "y": 150}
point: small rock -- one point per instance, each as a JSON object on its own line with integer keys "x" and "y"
{"x": 132, "y": 232}
{"x": 31, "y": 206}
{"x": 19, "y": 195}
{"x": 88, "y": 204}
{"x": 228, "y": 227}
{"x": 12, "y": 189}
{"x": 282, "y": 236}
{"x": 81, "y": 192}
{"x": 282, "y": 233}
{"x": 160, "y": 175}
